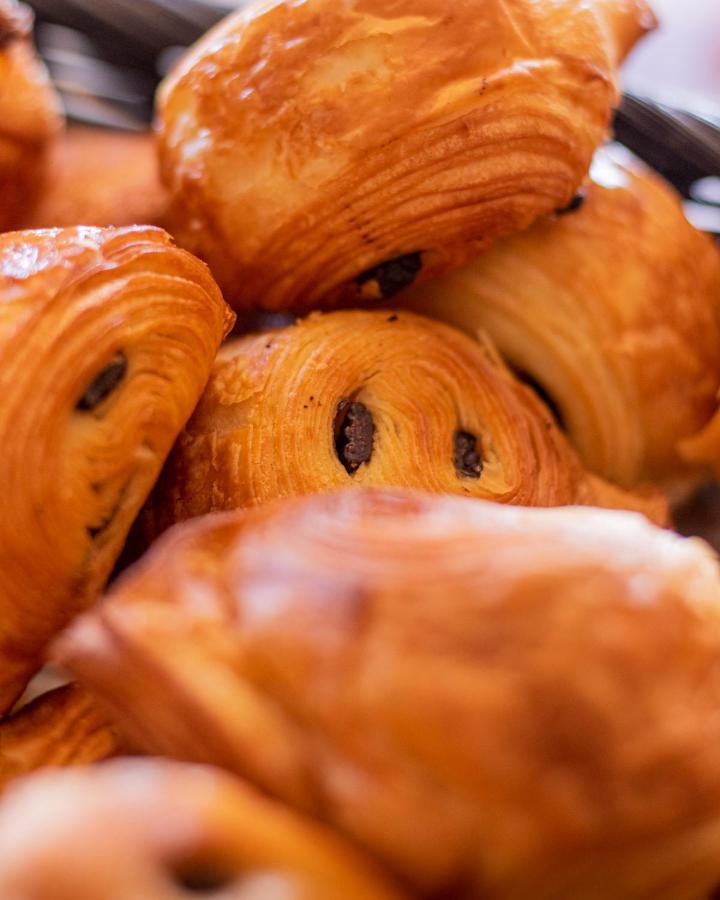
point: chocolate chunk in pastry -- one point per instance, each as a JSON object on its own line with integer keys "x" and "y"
{"x": 468, "y": 462}
{"x": 101, "y": 177}
{"x": 575, "y": 204}
{"x": 389, "y": 278}
{"x": 30, "y": 116}
{"x": 367, "y": 398}
{"x": 324, "y": 153}
{"x": 107, "y": 337}
{"x": 613, "y": 311}
{"x": 520, "y": 702}
{"x": 104, "y": 383}
{"x": 354, "y": 433}
{"x": 158, "y": 830}
{"x": 61, "y": 728}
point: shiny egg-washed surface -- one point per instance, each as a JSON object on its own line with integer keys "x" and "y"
{"x": 614, "y": 308}
{"x": 496, "y": 702}
{"x": 107, "y": 337}
{"x": 370, "y": 398}
{"x": 307, "y": 147}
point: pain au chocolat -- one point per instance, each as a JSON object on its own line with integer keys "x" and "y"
{"x": 613, "y": 309}
{"x": 63, "y": 727}
{"x": 101, "y": 177}
{"x": 107, "y": 337}
{"x": 370, "y": 398}
{"x": 30, "y": 115}
{"x": 496, "y": 702}
{"x": 322, "y": 152}
{"x": 157, "y": 830}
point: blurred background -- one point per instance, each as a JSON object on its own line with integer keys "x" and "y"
{"x": 106, "y": 56}
{"x": 680, "y": 62}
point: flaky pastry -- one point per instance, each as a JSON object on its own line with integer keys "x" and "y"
{"x": 496, "y": 702}
{"x": 30, "y": 115}
{"x": 61, "y": 728}
{"x": 613, "y": 309}
{"x": 107, "y": 337}
{"x": 101, "y": 177}
{"x": 323, "y": 152}
{"x": 370, "y": 398}
{"x": 142, "y": 830}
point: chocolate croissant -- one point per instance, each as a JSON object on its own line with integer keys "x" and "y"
{"x": 369, "y": 398}
{"x": 101, "y": 177}
{"x": 324, "y": 152}
{"x": 107, "y": 337}
{"x": 613, "y": 309}
{"x": 163, "y": 831}
{"x": 61, "y": 728}
{"x": 30, "y": 115}
{"x": 498, "y": 703}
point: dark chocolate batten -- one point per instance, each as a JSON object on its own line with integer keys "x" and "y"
{"x": 394, "y": 275}
{"x": 104, "y": 383}
{"x": 354, "y": 434}
{"x": 467, "y": 458}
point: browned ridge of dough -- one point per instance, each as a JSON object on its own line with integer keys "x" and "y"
{"x": 612, "y": 310}
{"x": 64, "y": 727}
{"x": 323, "y": 153}
{"x": 107, "y": 337}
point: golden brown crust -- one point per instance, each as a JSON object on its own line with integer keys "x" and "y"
{"x": 30, "y": 115}
{"x": 614, "y": 308}
{"x": 497, "y": 702}
{"x": 61, "y": 728}
{"x": 164, "y": 831}
{"x": 424, "y": 405}
{"x": 107, "y": 337}
{"x": 306, "y": 144}
{"x": 100, "y": 177}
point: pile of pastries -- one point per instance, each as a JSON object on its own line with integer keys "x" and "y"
{"x": 342, "y": 424}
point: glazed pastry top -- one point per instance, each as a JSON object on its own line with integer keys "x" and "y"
{"x": 304, "y": 144}
{"x": 37, "y": 266}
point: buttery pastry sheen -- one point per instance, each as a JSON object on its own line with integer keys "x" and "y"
{"x": 164, "y": 831}
{"x": 370, "y": 398}
{"x": 30, "y": 115}
{"x": 496, "y": 702}
{"x": 61, "y": 728}
{"x": 107, "y": 337}
{"x": 100, "y": 177}
{"x": 613, "y": 308}
{"x": 323, "y": 152}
